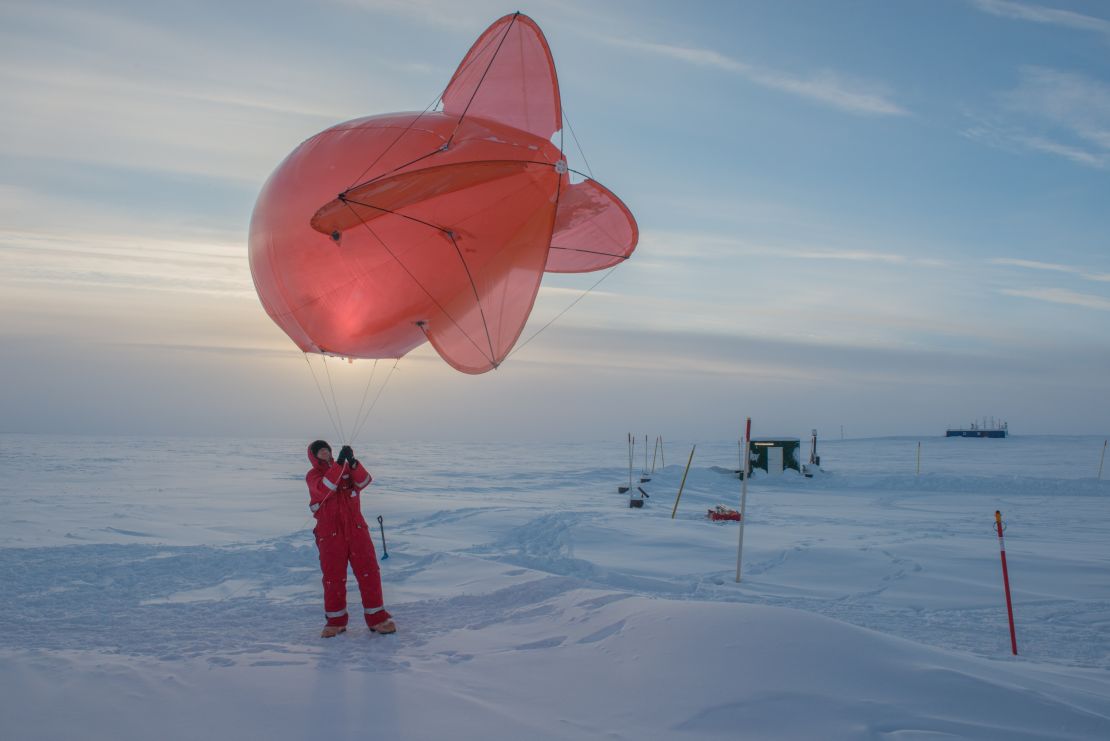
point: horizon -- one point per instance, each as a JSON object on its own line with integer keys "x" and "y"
{"x": 620, "y": 443}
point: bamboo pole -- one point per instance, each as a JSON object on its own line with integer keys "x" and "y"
{"x": 662, "y": 458}
{"x": 918, "y": 457}
{"x": 623, "y": 489}
{"x": 654, "y": 453}
{"x": 631, "y": 458}
{"x": 683, "y": 484}
{"x": 747, "y": 470}
{"x": 631, "y": 448}
{"x": 1102, "y": 460}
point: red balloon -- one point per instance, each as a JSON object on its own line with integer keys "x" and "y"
{"x": 383, "y": 232}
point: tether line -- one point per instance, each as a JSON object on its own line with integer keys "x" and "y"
{"x": 322, "y": 398}
{"x": 365, "y": 393}
{"x": 564, "y": 311}
{"x": 331, "y": 386}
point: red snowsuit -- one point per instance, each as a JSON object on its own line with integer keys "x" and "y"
{"x": 343, "y": 537}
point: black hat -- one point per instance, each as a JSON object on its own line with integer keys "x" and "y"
{"x": 314, "y": 448}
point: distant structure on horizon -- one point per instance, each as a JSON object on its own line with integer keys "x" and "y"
{"x": 991, "y": 429}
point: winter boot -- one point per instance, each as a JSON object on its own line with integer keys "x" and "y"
{"x": 384, "y": 628}
{"x": 331, "y": 631}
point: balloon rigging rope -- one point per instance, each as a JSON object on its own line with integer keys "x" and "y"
{"x": 392, "y": 212}
{"x": 590, "y": 252}
{"x": 564, "y": 311}
{"x": 398, "y": 138}
{"x": 420, "y": 285}
{"x": 321, "y": 391}
{"x": 477, "y": 299}
{"x": 374, "y": 403}
{"x": 483, "y": 77}
{"x": 575, "y": 137}
{"x": 331, "y": 387}
{"x": 427, "y": 108}
{"x": 362, "y": 404}
{"x": 387, "y": 173}
{"x": 601, "y": 228}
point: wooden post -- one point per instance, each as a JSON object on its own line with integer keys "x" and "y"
{"x": 747, "y": 471}
{"x": 683, "y": 484}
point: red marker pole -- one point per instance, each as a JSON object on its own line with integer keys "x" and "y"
{"x": 1006, "y": 581}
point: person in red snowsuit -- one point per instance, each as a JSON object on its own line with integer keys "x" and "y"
{"x": 342, "y": 537}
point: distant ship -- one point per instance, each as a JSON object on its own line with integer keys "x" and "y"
{"x": 993, "y": 429}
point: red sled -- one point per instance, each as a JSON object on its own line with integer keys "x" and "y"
{"x": 722, "y": 513}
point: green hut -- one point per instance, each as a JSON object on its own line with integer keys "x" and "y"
{"x": 776, "y": 454}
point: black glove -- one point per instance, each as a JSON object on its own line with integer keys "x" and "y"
{"x": 345, "y": 454}
{"x": 354, "y": 463}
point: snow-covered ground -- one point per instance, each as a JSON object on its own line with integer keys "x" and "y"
{"x": 169, "y": 589}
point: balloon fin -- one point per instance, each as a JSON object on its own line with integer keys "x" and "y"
{"x": 594, "y": 230}
{"x": 508, "y": 76}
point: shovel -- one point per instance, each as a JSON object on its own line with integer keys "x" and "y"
{"x": 385, "y": 551}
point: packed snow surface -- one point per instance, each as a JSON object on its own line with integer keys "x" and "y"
{"x": 169, "y": 589}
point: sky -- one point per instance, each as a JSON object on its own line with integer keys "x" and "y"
{"x": 869, "y": 217}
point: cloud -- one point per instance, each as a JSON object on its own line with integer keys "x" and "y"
{"x": 1060, "y": 296}
{"x": 1051, "y": 267}
{"x": 1065, "y": 114}
{"x": 120, "y": 263}
{"x": 95, "y": 86}
{"x": 696, "y": 245}
{"x": 1075, "y": 102}
{"x": 1042, "y": 14}
{"x": 825, "y": 87}
{"x": 1032, "y": 264}
{"x": 1075, "y": 154}
{"x": 471, "y": 16}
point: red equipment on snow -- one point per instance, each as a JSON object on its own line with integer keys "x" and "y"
{"x": 721, "y": 512}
